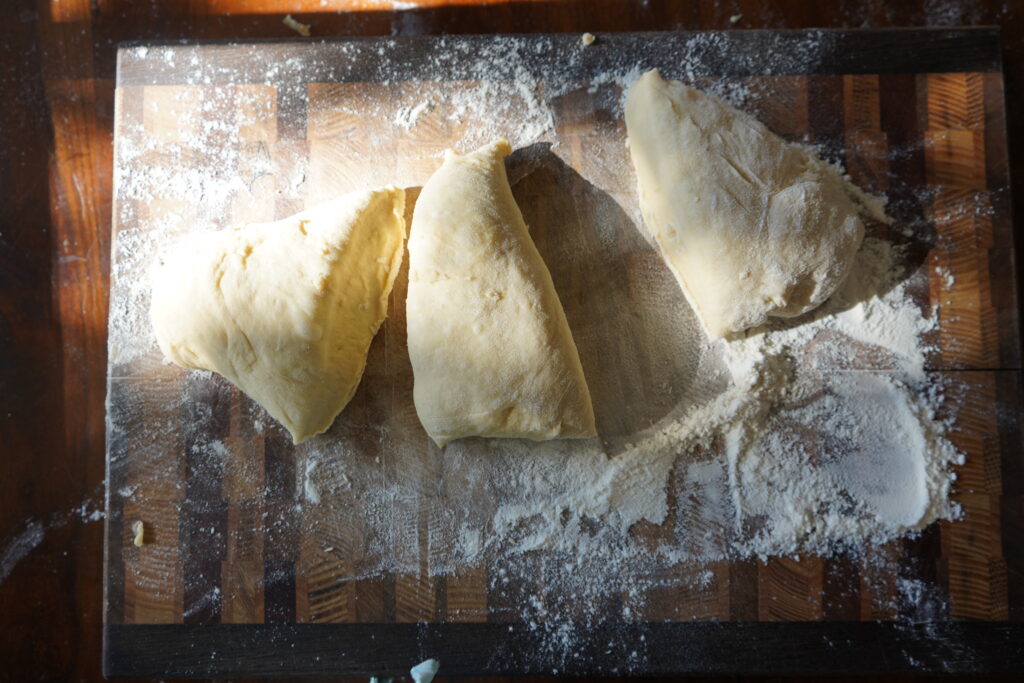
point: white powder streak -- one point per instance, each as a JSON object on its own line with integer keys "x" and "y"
{"x": 730, "y": 470}
{"x": 20, "y": 546}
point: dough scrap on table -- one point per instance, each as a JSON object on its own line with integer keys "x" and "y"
{"x": 138, "y": 533}
{"x": 491, "y": 350}
{"x": 285, "y": 310}
{"x": 752, "y": 226}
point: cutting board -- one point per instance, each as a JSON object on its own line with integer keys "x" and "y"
{"x": 240, "y": 575}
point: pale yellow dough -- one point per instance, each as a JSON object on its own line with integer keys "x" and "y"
{"x": 491, "y": 350}
{"x": 752, "y": 226}
{"x": 285, "y": 310}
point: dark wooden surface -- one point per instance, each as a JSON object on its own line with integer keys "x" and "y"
{"x": 708, "y": 647}
{"x": 56, "y": 69}
{"x": 732, "y": 53}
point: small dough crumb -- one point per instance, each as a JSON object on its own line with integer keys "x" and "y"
{"x": 297, "y": 26}
{"x": 139, "y": 529}
{"x": 734, "y": 18}
{"x": 587, "y": 38}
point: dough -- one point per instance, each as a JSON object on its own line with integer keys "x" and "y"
{"x": 751, "y": 225}
{"x": 491, "y": 350}
{"x": 285, "y": 310}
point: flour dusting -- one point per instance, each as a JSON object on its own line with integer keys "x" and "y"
{"x": 824, "y": 435}
{"x": 21, "y": 545}
{"x": 818, "y": 455}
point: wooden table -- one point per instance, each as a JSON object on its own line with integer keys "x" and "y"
{"x": 56, "y": 70}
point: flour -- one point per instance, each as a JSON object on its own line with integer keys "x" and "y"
{"x": 817, "y": 454}
{"x": 21, "y": 545}
{"x": 883, "y": 451}
{"x": 408, "y": 117}
{"x": 309, "y": 487}
{"x": 34, "y": 532}
{"x": 813, "y": 435}
{"x": 878, "y": 471}
{"x": 212, "y": 164}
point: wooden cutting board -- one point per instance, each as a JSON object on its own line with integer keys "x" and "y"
{"x": 235, "y": 577}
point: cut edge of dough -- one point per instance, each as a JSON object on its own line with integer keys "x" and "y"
{"x": 160, "y": 279}
{"x": 397, "y": 197}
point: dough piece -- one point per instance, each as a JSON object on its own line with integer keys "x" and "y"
{"x": 139, "y": 531}
{"x": 285, "y": 310}
{"x": 751, "y": 225}
{"x": 491, "y": 350}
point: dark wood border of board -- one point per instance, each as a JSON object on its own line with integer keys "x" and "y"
{"x": 643, "y": 648}
{"x": 705, "y": 53}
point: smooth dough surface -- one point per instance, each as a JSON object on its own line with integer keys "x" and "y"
{"x": 491, "y": 350}
{"x": 285, "y": 310}
{"x": 752, "y": 226}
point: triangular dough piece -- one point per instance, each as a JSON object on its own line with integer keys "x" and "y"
{"x": 285, "y": 310}
{"x": 751, "y": 225}
{"x": 491, "y": 350}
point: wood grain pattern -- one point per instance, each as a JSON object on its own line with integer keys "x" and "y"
{"x": 898, "y": 134}
{"x": 972, "y": 548}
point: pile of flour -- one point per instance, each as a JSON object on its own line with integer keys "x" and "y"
{"x": 817, "y": 454}
{"x": 814, "y": 435}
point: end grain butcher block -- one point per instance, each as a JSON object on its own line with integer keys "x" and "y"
{"x": 262, "y": 558}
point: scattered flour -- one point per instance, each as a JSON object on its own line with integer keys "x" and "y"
{"x": 407, "y": 117}
{"x": 20, "y": 546}
{"x": 818, "y": 454}
{"x": 90, "y": 515}
{"x": 29, "y": 538}
{"x": 947, "y": 278}
{"x": 813, "y": 435}
{"x": 214, "y": 163}
{"x": 309, "y": 485}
